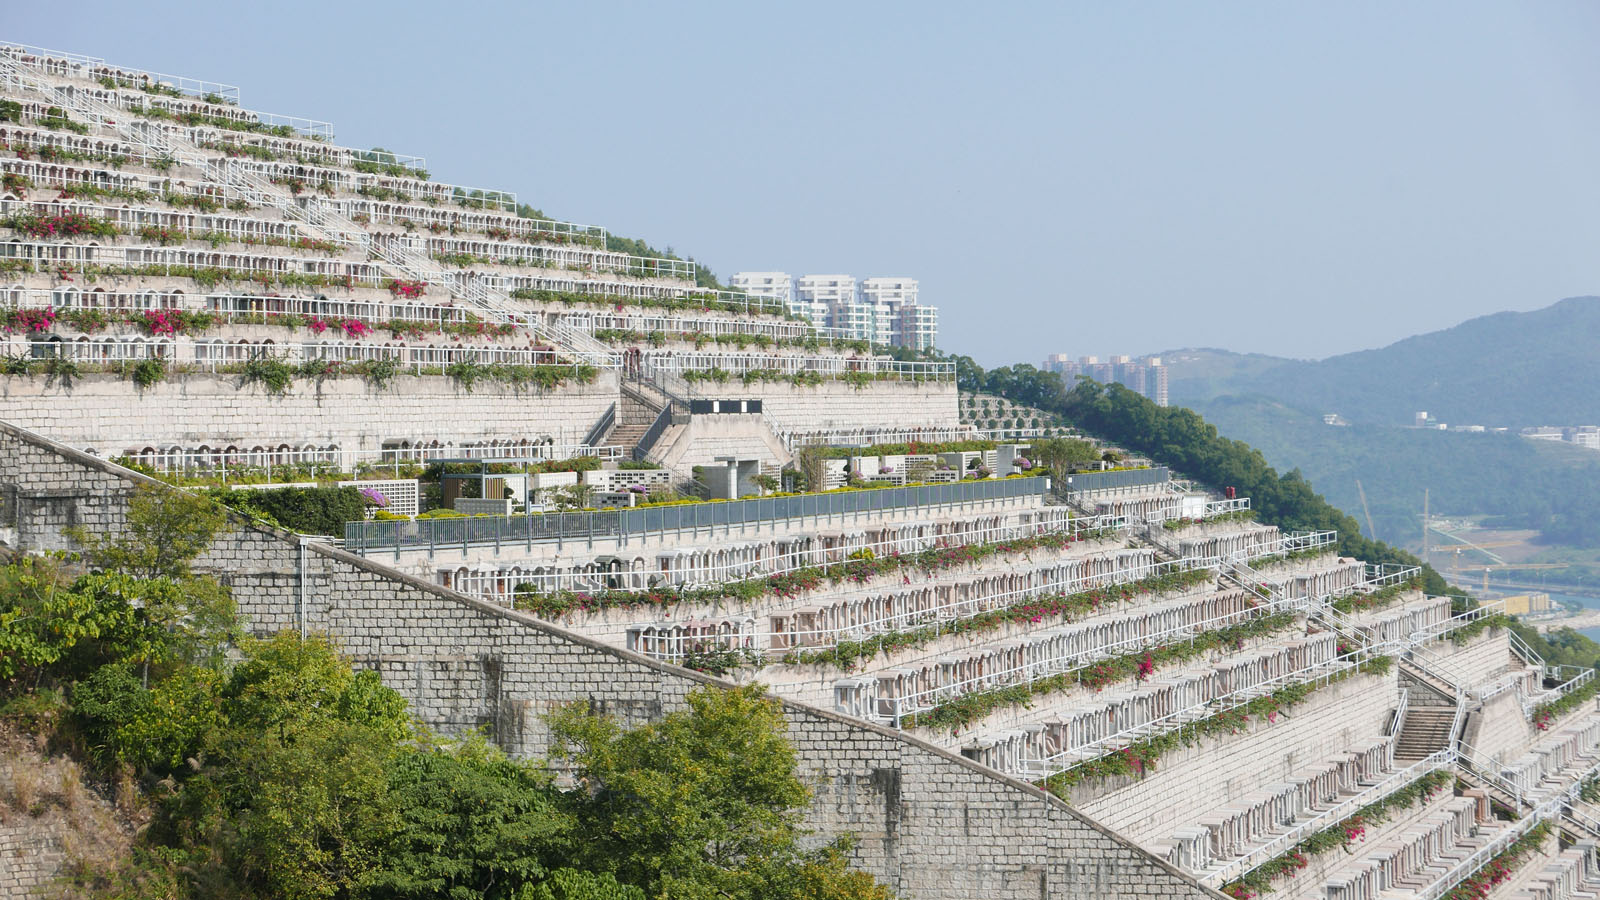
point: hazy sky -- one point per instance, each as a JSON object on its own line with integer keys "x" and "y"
{"x": 1082, "y": 178}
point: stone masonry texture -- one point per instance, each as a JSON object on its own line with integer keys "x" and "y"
{"x": 927, "y": 822}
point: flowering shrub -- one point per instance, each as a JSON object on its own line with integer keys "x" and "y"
{"x": 31, "y": 321}
{"x": 355, "y": 328}
{"x": 409, "y": 290}
{"x": 156, "y": 234}
{"x": 174, "y": 321}
{"x": 316, "y": 324}
{"x": 374, "y": 497}
{"x": 1147, "y": 665}
{"x": 69, "y": 224}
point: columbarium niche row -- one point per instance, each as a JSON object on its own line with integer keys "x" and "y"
{"x": 1082, "y": 732}
{"x": 1395, "y": 861}
{"x": 1401, "y": 624}
{"x": 1574, "y": 748}
{"x": 695, "y": 566}
{"x": 853, "y": 617}
{"x": 1261, "y": 815}
{"x": 905, "y": 690}
{"x": 1139, "y": 509}
{"x": 1342, "y": 577}
{"x": 133, "y": 218}
{"x": 1254, "y": 541}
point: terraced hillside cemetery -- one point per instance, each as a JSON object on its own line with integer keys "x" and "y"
{"x": 1008, "y": 667}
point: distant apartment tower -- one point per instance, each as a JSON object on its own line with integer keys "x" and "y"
{"x": 885, "y": 299}
{"x": 919, "y": 326}
{"x": 1062, "y": 364}
{"x": 817, "y": 296}
{"x": 883, "y": 311}
{"x": 1146, "y": 376}
{"x": 777, "y": 285}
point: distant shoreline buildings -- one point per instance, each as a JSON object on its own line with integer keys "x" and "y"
{"x": 884, "y": 311}
{"x": 1144, "y": 375}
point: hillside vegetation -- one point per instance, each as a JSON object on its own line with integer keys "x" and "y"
{"x": 269, "y": 768}
{"x": 1519, "y": 483}
{"x": 1180, "y": 438}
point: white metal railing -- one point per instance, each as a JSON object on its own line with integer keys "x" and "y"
{"x": 1034, "y": 670}
{"x": 738, "y": 363}
{"x": 695, "y": 576}
{"x": 1441, "y": 759}
{"x": 221, "y": 355}
{"x": 322, "y": 217}
{"x": 1583, "y": 677}
{"x": 1066, "y": 760}
{"x": 1521, "y": 648}
{"x": 76, "y": 65}
{"x": 233, "y": 463}
{"x": 1212, "y": 509}
{"x": 1398, "y": 723}
{"x": 953, "y": 611}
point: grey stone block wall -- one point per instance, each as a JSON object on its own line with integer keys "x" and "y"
{"x": 929, "y": 823}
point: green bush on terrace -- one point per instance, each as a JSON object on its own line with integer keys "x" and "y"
{"x": 697, "y": 501}
{"x": 304, "y": 510}
{"x": 269, "y": 769}
{"x": 789, "y": 584}
{"x": 1138, "y": 665}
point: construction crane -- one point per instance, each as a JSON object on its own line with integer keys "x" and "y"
{"x": 1371, "y": 532}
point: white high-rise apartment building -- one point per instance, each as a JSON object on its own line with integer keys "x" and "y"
{"x": 815, "y": 297}
{"x": 885, "y": 298}
{"x": 884, "y": 311}
{"x": 777, "y": 285}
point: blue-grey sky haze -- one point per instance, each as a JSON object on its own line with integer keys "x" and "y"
{"x": 1086, "y": 178}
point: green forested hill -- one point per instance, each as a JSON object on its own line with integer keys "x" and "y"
{"x": 1523, "y": 483}
{"x": 1515, "y": 369}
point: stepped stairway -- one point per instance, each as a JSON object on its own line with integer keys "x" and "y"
{"x": 641, "y": 404}
{"x": 318, "y": 218}
{"x": 1425, "y": 731}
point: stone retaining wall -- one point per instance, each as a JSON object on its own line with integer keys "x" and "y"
{"x": 927, "y": 822}
{"x": 111, "y": 415}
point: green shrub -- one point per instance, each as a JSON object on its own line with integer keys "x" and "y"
{"x": 314, "y": 510}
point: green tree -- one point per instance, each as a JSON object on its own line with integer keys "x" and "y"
{"x": 474, "y": 824}
{"x": 702, "y": 803}
{"x": 165, "y": 530}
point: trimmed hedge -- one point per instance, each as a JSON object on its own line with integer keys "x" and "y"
{"x": 313, "y": 510}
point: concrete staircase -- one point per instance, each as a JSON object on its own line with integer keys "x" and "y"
{"x": 1426, "y": 731}
{"x": 637, "y": 410}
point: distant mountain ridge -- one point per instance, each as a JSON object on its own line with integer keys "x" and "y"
{"x": 1514, "y": 369}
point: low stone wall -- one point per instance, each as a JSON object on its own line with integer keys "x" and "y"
{"x": 1216, "y": 772}
{"x": 112, "y": 416}
{"x": 840, "y": 405}
{"x": 927, "y": 822}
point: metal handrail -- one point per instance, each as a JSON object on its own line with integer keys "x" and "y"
{"x": 625, "y": 524}
{"x": 647, "y": 441}
{"x": 1439, "y": 759}
{"x": 1035, "y": 670}
{"x": 318, "y": 215}
{"x": 805, "y": 559}
{"x": 1398, "y": 723}
{"x": 602, "y": 427}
